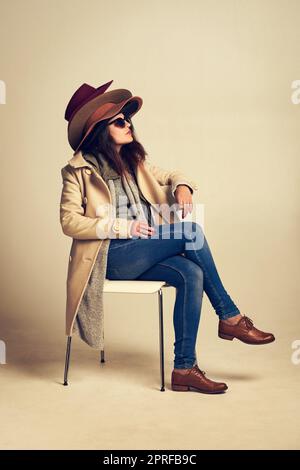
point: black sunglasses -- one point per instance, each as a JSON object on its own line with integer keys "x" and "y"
{"x": 120, "y": 122}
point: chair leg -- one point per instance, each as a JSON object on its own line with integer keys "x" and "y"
{"x": 102, "y": 355}
{"x": 67, "y": 360}
{"x": 161, "y": 339}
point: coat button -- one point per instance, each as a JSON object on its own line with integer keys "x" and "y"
{"x": 85, "y": 200}
{"x": 116, "y": 227}
{"x": 88, "y": 171}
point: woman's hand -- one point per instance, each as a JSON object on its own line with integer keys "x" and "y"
{"x": 183, "y": 196}
{"x": 141, "y": 229}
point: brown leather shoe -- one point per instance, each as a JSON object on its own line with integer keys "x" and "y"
{"x": 188, "y": 379}
{"x": 245, "y": 331}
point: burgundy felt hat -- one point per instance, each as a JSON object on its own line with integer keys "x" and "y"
{"x": 89, "y": 105}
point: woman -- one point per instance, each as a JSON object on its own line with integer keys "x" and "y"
{"x": 123, "y": 207}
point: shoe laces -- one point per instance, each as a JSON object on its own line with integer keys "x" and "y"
{"x": 198, "y": 370}
{"x": 248, "y": 322}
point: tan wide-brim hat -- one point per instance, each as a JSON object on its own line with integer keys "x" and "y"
{"x": 90, "y": 105}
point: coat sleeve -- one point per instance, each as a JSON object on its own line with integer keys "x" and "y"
{"x": 173, "y": 178}
{"x": 76, "y": 225}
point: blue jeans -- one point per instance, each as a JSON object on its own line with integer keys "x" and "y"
{"x": 179, "y": 254}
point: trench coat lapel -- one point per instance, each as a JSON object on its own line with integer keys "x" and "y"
{"x": 148, "y": 185}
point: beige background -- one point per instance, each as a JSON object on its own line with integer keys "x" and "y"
{"x": 216, "y": 79}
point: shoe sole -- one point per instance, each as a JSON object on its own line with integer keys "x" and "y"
{"x": 230, "y": 338}
{"x": 186, "y": 388}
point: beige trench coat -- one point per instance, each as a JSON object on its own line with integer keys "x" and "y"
{"x": 84, "y": 216}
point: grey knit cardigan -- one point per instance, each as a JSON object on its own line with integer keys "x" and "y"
{"x": 127, "y": 198}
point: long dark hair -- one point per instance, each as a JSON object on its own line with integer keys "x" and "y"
{"x": 100, "y": 140}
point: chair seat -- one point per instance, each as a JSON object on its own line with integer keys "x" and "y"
{"x": 133, "y": 286}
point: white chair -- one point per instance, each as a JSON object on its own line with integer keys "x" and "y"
{"x": 133, "y": 287}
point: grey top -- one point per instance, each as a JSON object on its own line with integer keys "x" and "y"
{"x": 130, "y": 202}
